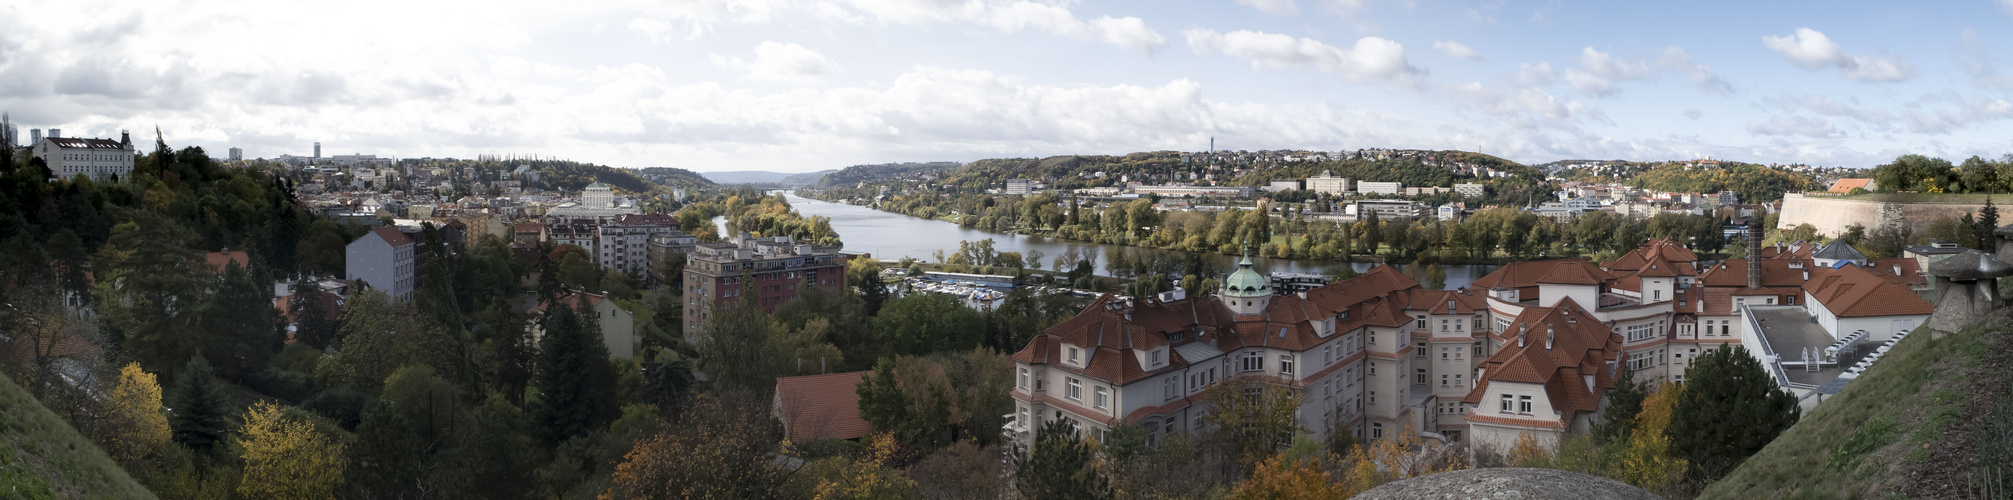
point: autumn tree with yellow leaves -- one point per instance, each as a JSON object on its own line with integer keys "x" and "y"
{"x": 134, "y": 427}
{"x": 1647, "y": 462}
{"x": 286, "y": 458}
{"x": 1282, "y": 477}
{"x": 869, "y": 477}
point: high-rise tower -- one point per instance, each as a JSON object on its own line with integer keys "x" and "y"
{"x": 318, "y": 150}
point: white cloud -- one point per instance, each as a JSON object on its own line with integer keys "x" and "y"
{"x": 1527, "y": 104}
{"x": 1794, "y": 125}
{"x": 1540, "y": 74}
{"x": 1456, "y": 50}
{"x": 1273, "y": 7}
{"x": 1370, "y": 59}
{"x": 779, "y": 63}
{"x": 1011, "y": 16}
{"x": 1590, "y": 84}
{"x": 1810, "y": 49}
{"x": 1599, "y": 71}
{"x": 1129, "y": 32}
{"x": 2006, "y": 6}
{"x": 1676, "y": 59}
{"x": 1606, "y": 66}
{"x": 662, "y": 19}
{"x": 1693, "y": 113}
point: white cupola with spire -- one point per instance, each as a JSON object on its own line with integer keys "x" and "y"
{"x": 1245, "y": 291}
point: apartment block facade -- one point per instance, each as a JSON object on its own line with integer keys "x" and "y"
{"x": 769, "y": 271}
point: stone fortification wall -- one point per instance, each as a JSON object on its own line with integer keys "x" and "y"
{"x": 1831, "y": 215}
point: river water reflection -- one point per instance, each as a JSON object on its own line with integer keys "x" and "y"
{"x": 892, "y": 236}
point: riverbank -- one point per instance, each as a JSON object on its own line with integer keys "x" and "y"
{"x": 892, "y": 236}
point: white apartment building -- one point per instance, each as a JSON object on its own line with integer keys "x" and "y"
{"x": 98, "y": 159}
{"x": 383, "y": 258}
{"x": 1327, "y": 182}
{"x": 1471, "y": 190}
{"x": 624, "y": 244}
{"x": 1367, "y": 187}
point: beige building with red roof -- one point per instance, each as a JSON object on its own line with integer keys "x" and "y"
{"x": 1371, "y": 355}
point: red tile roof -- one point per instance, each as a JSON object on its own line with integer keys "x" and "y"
{"x": 392, "y": 236}
{"x": 1579, "y": 345}
{"x": 1853, "y": 292}
{"x": 1846, "y": 185}
{"x": 814, "y": 407}
{"x": 217, "y": 260}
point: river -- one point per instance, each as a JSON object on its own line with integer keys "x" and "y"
{"x": 891, "y": 236}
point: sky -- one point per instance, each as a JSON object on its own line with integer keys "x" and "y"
{"x": 806, "y": 85}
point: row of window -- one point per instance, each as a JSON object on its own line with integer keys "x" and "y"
{"x": 1523, "y": 404}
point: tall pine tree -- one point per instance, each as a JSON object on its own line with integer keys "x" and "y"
{"x": 1730, "y": 409}
{"x": 1062, "y": 465}
{"x": 239, "y": 318}
{"x": 575, "y": 380}
{"x": 199, "y": 408}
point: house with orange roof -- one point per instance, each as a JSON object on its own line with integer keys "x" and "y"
{"x": 814, "y": 407}
{"x": 1847, "y": 185}
{"x": 1547, "y": 379}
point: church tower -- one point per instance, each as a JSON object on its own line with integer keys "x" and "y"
{"x": 1245, "y": 291}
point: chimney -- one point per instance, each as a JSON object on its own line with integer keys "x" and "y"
{"x": 1754, "y": 252}
{"x": 1548, "y": 337}
{"x": 1522, "y": 331}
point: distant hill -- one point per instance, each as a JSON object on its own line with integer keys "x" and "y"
{"x": 766, "y": 177}
{"x": 745, "y": 177}
{"x": 41, "y": 456}
{"x": 869, "y": 173}
{"x": 675, "y": 177}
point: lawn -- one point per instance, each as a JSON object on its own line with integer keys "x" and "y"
{"x": 1899, "y": 431}
{"x": 41, "y": 456}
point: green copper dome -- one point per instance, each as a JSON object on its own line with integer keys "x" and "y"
{"x": 1246, "y": 282}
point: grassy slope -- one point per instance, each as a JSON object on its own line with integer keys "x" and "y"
{"x": 43, "y": 457}
{"x": 1868, "y": 441}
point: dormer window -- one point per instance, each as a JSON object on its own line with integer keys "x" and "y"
{"x": 1156, "y": 357}
{"x": 1075, "y": 356}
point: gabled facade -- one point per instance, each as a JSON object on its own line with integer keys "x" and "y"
{"x": 383, "y": 259}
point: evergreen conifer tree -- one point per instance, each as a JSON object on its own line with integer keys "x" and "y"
{"x": 200, "y": 412}
{"x": 1625, "y": 400}
{"x": 243, "y": 332}
{"x": 1729, "y": 410}
{"x": 574, "y": 376}
{"x": 1062, "y": 465}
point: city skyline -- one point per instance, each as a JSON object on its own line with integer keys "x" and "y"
{"x": 799, "y": 86}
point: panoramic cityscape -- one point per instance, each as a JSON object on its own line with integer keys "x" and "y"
{"x": 976, "y": 249}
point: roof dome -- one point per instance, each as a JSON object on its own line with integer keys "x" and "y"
{"x": 1246, "y": 282}
{"x": 1970, "y": 266}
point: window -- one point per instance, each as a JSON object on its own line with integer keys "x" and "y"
{"x": 1170, "y": 388}
{"x": 1023, "y": 421}
{"x": 1422, "y": 322}
{"x": 1421, "y": 379}
{"x": 1286, "y": 364}
{"x": 1075, "y": 390}
{"x": 1444, "y": 352}
{"x": 1376, "y": 430}
{"x": 1373, "y": 397}
{"x": 1445, "y": 325}
{"x": 1457, "y": 353}
{"x": 1459, "y": 327}
{"x": 1373, "y": 337}
{"x": 1100, "y": 397}
{"x": 1443, "y": 380}
{"x": 1023, "y": 379}
{"x": 1372, "y": 368}
{"x": 1073, "y": 355}
{"x": 1641, "y": 332}
{"x": 1156, "y": 357}
{"x": 1457, "y": 380}
{"x": 1327, "y": 391}
{"x": 1422, "y": 349}
{"x": 1524, "y": 404}
{"x": 1254, "y": 361}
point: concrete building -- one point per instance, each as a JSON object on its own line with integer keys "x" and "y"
{"x": 1367, "y": 187}
{"x": 1177, "y": 190}
{"x": 1385, "y": 209}
{"x": 1471, "y": 190}
{"x": 1327, "y": 182}
{"x": 99, "y": 159}
{"x": 623, "y": 245}
{"x": 662, "y": 249}
{"x": 765, "y": 271}
{"x": 383, "y": 259}
{"x": 1282, "y": 185}
{"x": 237, "y": 154}
{"x": 1019, "y": 186}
